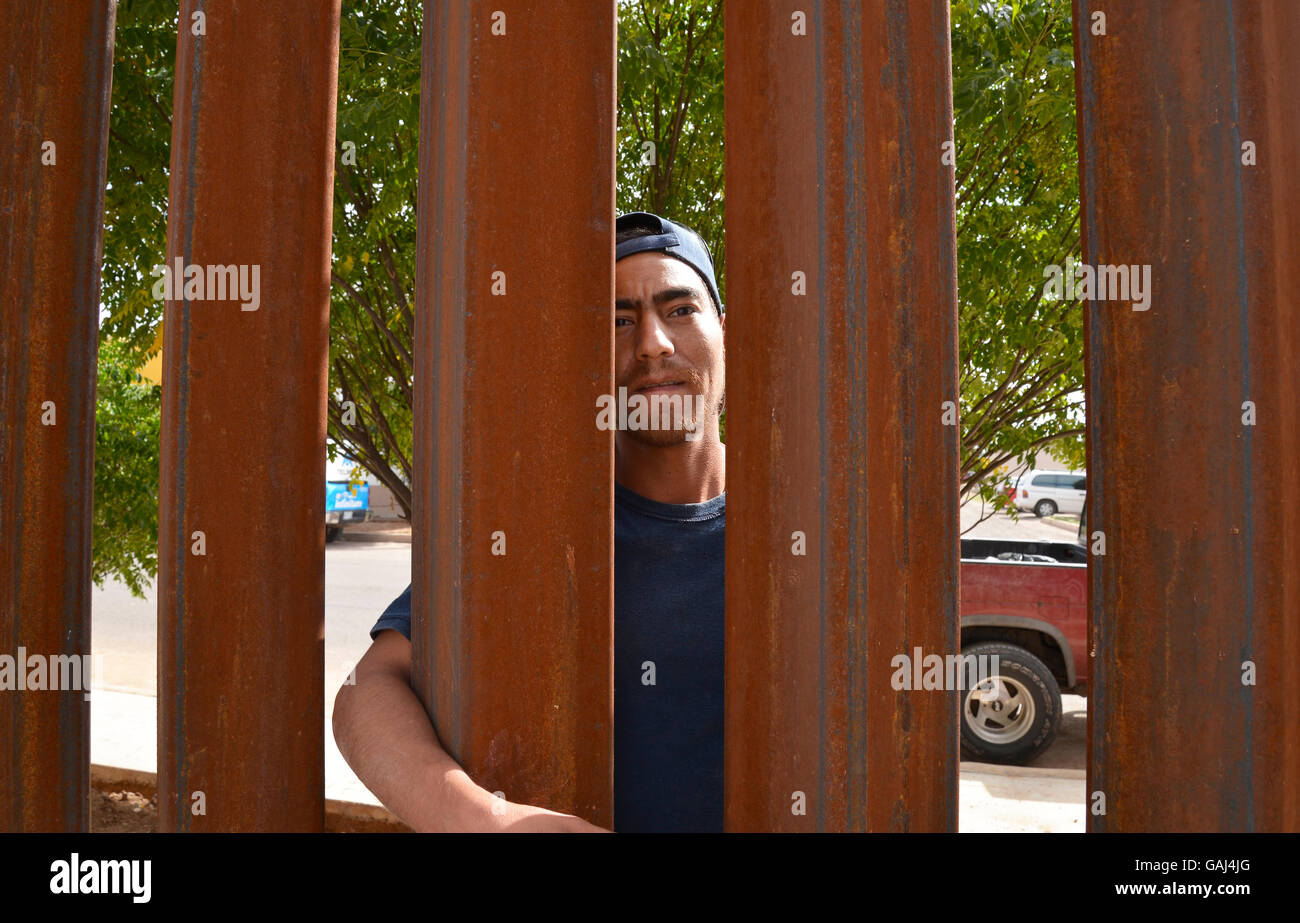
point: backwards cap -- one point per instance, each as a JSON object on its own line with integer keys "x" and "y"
{"x": 673, "y": 239}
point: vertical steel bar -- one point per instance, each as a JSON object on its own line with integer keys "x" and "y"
{"x": 1188, "y": 142}
{"x": 241, "y": 535}
{"x": 513, "y": 556}
{"x": 54, "y": 104}
{"x": 842, "y": 547}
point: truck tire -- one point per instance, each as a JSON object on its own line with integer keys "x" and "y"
{"x": 332, "y": 533}
{"x": 1014, "y": 715}
{"x": 1045, "y": 508}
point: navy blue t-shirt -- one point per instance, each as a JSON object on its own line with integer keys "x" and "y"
{"x": 669, "y": 574}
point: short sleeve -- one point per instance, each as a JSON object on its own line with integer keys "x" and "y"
{"x": 397, "y": 616}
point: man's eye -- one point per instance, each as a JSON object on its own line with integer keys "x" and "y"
{"x": 688, "y": 308}
{"x": 622, "y": 320}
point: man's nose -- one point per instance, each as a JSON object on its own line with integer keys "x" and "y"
{"x": 652, "y": 338}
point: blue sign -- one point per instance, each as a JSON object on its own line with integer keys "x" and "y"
{"x": 342, "y": 496}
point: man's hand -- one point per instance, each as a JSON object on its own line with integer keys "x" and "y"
{"x": 509, "y": 817}
{"x": 480, "y": 811}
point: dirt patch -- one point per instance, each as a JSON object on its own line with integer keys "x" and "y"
{"x": 118, "y": 809}
{"x": 122, "y": 812}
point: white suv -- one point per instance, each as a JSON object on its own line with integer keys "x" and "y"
{"x": 1050, "y": 492}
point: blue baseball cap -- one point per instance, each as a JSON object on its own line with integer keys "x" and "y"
{"x": 673, "y": 239}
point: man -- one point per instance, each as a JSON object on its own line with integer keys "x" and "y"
{"x": 668, "y": 585}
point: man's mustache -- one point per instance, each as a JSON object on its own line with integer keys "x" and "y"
{"x": 642, "y": 375}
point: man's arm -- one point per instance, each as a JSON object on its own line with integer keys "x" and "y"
{"x": 385, "y": 735}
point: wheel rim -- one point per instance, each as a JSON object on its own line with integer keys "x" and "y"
{"x": 1000, "y": 710}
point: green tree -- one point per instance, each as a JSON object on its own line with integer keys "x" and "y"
{"x": 127, "y": 409}
{"x": 1017, "y": 212}
{"x": 670, "y": 80}
{"x": 125, "y": 543}
{"x": 372, "y": 322}
{"x": 139, "y": 150}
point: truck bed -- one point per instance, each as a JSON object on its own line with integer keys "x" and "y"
{"x": 1030, "y": 593}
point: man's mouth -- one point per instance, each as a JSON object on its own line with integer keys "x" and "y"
{"x": 657, "y": 386}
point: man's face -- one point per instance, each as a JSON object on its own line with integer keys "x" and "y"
{"x": 668, "y": 339}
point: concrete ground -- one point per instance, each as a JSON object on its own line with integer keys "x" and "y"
{"x": 978, "y": 522}
{"x": 363, "y": 575}
{"x": 361, "y": 578}
{"x": 1048, "y": 796}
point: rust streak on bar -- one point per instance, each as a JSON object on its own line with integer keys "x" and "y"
{"x": 58, "y": 61}
{"x": 241, "y": 626}
{"x": 835, "y": 423}
{"x": 512, "y": 653}
{"x": 1200, "y": 507}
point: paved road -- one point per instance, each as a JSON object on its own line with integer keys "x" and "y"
{"x": 361, "y": 578}
{"x": 1000, "y": 525}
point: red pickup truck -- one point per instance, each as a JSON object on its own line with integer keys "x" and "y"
{"x": 1026, "y": 603}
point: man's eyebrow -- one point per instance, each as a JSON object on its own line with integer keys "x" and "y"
{"x": 661, "y": 296}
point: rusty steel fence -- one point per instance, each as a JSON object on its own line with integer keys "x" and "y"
{"x": 512, "y": 627}
{"x": 54, "y": 105}
{"x": 836, "y": 427}
{"x": 1189, "y": 144}
{"x": 241, "y": 565}
{"x": 842, "y": 429}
